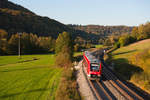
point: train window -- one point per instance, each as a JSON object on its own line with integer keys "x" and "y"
{"x": 94, "y": 67}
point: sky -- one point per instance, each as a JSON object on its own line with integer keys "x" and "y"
{"x": 84, "y": 12}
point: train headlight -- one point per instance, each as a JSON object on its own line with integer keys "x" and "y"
{"x": 89, "y": 75}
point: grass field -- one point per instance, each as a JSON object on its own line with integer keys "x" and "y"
{"x": 33, "y": 77}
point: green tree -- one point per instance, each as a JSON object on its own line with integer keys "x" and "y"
{"x": 64, "y": 50}
{"x": 125, "y": 40}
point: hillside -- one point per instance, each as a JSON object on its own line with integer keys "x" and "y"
{"x": 10, "y": 5}
{"x": 103, "y": 30}
{"x": 132, "y": 63}
{"x": 15, "y": 18}
{"x": 130, "y": 50}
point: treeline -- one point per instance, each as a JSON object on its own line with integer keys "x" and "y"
{"x": 138, "y": 33}
{"x": 33, "y": 44}
{"x": 29, "y": 43}
{"x": 103, "y": 30}
{"x": 105, "y": 35}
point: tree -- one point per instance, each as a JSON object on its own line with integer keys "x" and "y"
{"x": 64, "y": 50}
{"x": 125, "y": 40}
{"x": 107, "y": 42}
{"x": 134, "y": 32}
{"x": 141, "y": 32}
{"x": 47, "y": 43}
{"x": 3, "y": 42}
{"x": 13, "y": 44}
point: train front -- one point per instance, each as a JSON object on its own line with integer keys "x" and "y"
{"x": 95, "y": 70}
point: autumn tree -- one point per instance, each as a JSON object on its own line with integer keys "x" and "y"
{"x": 30, "y": 44}
{"x": 47, "y": 43}
{"x": 13, "y": 44}
{"x": 3, "y": 41}
{"x": 141, "y": 32}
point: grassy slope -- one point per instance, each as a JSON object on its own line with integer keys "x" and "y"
{"x": 123, "y": 60}
{"x": 128, "y": 51}
{"x": 27, "y": 78}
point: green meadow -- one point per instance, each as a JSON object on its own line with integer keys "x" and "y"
{"x": 33, "y": 77}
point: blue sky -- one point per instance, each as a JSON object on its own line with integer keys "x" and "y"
{"x": 101, "y": 12}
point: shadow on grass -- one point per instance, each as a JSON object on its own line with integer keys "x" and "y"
{"x": 34, "y": 59}
{"x": 22, "y": 69}
{"x": 19, "y": 93}
{"x": 125, "y": 69}
{"x": 124, "y": 52}
{"x": 28, "y": 60}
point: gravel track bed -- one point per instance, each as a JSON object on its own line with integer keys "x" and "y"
{"x": 84, "y": 88}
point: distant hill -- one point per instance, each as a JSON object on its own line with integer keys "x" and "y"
{"x": 103, "y": 30}
{"x": 15, "y": 18}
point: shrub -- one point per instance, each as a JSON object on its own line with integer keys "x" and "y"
{"x": 63, "y": 58}
{"x": 67, "y": 89}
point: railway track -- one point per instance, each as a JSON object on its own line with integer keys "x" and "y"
{"x": 111, "y": 88}
{"x": 115, "y": 82}
{"x": 96, "y": 88}
{"x": 124, "y": 90}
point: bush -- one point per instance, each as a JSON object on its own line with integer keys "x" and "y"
{"x": 63, "y": 58}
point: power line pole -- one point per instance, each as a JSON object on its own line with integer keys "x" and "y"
{"x": 19, "y": 48}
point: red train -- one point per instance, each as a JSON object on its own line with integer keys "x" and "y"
{"x": 92, "y": 65}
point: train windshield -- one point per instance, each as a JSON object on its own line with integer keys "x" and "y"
{"x": 95, "y": 67}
